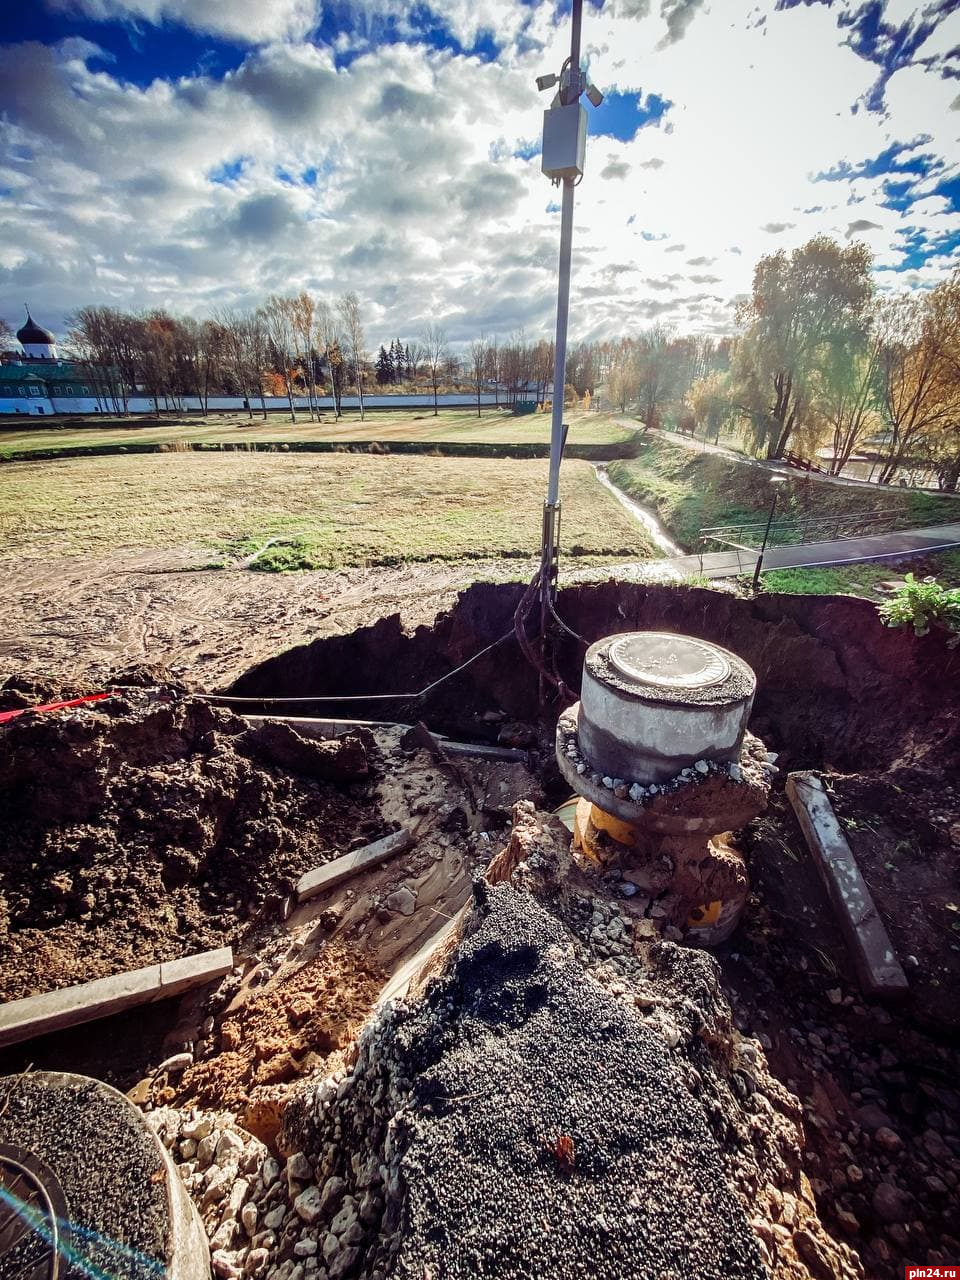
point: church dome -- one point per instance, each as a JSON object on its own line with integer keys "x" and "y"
{"x": 32, "y": 335}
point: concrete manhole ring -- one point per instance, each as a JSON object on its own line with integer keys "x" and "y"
{"x": 669, "y": 661}
{"x": 33, "y": 1210}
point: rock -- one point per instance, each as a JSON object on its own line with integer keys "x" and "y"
{"x": 248, "y": 1216}
{"x": 269, "y": 1171}
{"x": 834, "y": 995}
{"x": 888, "y": 1139}
{"x": 702, "y": 767}
{"x": 343, "y": 1263}
{"x": 307, "y": 1205}
{"x": 298, "y": 1167}
{"x": 331, "y": 1247}
{"x": 872, "y": 1118}
{"x": 305, "y": 1247}
{"x": 238, "y": 1194}
{"x": 223, "y": 1266}
{"x": 890, "y": 1204}
{"x": 333, "y": 1191}
{"x": 936, "y": 1148}
{"x": 256, "y": 1262}
{"x": 230, "y": 1144}
{"x": 342, "y": 759}
{"x": 188, "y": 1149}
{"x": 401, "y": 900}
{"x": 273, "y": 1219}
{"x": 177, "y": 1063}
{"x": 636, "y": 792}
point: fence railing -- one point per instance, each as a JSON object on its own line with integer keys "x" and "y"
{"x": 748, "y": 535}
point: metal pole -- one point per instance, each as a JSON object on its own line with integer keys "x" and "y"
{"x": 766, "y": 534}
{"x": 560, "y": 353}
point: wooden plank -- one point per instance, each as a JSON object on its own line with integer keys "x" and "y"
{"x": 70, "y": 1006}
{"x": 194, "y": 971}
{"x": 866, "y": 936}
{"x": 320, "y": 879}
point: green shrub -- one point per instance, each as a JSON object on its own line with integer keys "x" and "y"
{"x": 921, "y": 604}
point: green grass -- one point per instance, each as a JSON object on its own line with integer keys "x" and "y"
{"x": 451, "y": 426}
{"x": 691, "y": 491}
{"x": 325, "y": 510}
{"x": 864, "y": 579}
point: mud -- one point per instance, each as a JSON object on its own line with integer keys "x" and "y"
{"x": 151, "y": 825}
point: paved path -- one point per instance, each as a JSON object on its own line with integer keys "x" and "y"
{"x": 724, "y": 564}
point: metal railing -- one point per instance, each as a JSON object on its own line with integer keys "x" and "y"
{"x": 748, "y": 535}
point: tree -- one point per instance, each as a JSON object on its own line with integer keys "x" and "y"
{"x": 849, "y": 392}
{"x": 328, "y": 337}
{"x": 435, "y": 348}
{"x": 277, "y": 316}
{"x": 6, "y": 335}
{"x": 385, "y": 373}
{"x": 240, "y": 347}
{"x": 479, "y": 352}
{"x": 800, "y": 305}
{"x": 943, "y": 450}
{"x": 712, "y": 403}
{"x": 353, "y": 332}
{"x": 918, "y": 380}
{"x": 303, "y": 320}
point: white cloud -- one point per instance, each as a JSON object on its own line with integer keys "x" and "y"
{"x": 256, "y": 21}
{"x": 398, "y": 175}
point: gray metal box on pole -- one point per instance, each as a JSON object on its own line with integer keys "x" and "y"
{"x": 564, "y": 141}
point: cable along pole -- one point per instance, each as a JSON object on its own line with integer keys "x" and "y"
{"x": 564, "y": 148}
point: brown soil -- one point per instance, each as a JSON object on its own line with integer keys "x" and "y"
{"x": 275, "y": 1030}
{"x": 85, "y": 616}
{"x": 149, "y": 826}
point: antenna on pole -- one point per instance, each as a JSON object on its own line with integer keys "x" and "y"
{"x": 564, "y": 148}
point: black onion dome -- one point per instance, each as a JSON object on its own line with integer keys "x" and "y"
{"x": 32, "y": 335}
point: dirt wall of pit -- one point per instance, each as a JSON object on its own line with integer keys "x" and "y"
{"x": 834, "y": 683}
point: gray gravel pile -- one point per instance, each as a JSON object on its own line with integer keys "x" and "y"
{"x": 521, "y": 1121}
{"x": 108, "y": 1168}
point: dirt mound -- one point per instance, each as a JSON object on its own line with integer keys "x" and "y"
{"x": 284, "y": 1027}
{"x": 151, "y": 825}
{"x": 543, "y": 1108}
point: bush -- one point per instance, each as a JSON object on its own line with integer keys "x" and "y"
{"x": 922, "y": 604}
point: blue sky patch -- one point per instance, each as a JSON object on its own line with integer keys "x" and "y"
{"x": 621, "y": 114}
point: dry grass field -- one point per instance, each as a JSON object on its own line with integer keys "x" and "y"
{"x": 325, "y": 511}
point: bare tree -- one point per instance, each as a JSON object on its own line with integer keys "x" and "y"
{"x": 303, "y": 320}
{"x": 492, "y": 369}
{"x": 353, "y": 331}
{"x": 6, "y": 335}
{"x": 331, "y": 349}
{"x": 479, "y": 355}
{"x": 435, "y": 345}
{"x": 277, "y": 316}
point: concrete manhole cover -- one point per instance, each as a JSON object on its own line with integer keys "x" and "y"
{"x": 32, "y": 1207}
{"x": 672, "y": 662}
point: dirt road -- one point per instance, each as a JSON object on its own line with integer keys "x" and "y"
{"x": 82, "y": 617}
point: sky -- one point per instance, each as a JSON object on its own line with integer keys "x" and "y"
{"x": 199, "y": 155}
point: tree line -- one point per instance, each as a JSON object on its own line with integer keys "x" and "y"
{"x": 823, "y": 362}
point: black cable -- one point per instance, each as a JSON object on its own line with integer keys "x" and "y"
{"x": 367, "y": 697}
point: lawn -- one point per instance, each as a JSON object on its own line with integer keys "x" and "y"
{"x": 324, "y": 510}
{"x": 496, "y": 426}
{"x": 690, "y": 491}
{"x": 864, "y": 579}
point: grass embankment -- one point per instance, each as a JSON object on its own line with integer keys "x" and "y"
{"x": 456, "y": 427}
{"x": 326, "y": 510}
{"x": 691, "y": 491}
